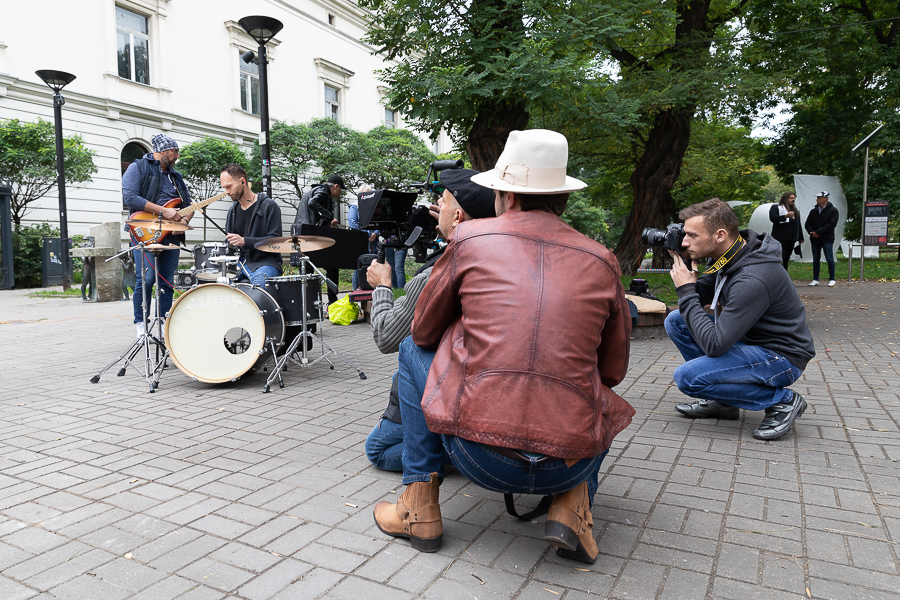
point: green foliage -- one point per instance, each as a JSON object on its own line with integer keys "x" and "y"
{"x": 28, "y": 158}
{"x": 721, "y": 161}
{"x": 587, "y": 218}
{"x": 27, "y": 243}
{"x": 841, "y": 83}
{"x": 775, "y": 187}
{"x": 394, "y": 159}
{"x": 201, "y": 164}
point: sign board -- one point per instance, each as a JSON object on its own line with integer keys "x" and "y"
{"x": 876, "y": 224}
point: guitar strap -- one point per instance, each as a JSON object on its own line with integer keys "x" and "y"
{"x": 183, "y": 201}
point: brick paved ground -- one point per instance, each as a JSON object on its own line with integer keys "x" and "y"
{"x": 205, "y": 492}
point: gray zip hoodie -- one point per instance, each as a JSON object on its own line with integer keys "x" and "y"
{"x": 760, "y": 305}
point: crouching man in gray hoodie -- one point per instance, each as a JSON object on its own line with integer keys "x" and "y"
{"x": 757, "y": 342}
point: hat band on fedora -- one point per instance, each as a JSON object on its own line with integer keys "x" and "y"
{"x": 533, "y": 177}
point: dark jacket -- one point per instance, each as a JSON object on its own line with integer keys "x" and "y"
{"x": 760, "y": 305}
{"x": 527, "y": 352}
{"x": 264, "y": 223}
{"x": 822, "y": 223}
{"x": 316, "y": 208}
{"x": 786, "y": 231}
{"x": 135, "y": 197}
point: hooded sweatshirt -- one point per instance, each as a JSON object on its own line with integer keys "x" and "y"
{"x": 758, "y": 305}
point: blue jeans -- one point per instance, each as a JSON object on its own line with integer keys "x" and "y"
{"x": 817, "y": 248}
{"x": 167, "y": 263}
{"x": 423, "y": 450}
{"x": 748, "y": 377}
{"x": 384, "y": 446}
{"x": 396, "y": 257}
{"x": 257, "y": 277}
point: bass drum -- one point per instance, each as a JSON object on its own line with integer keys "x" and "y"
{"x": 216, "y": 332}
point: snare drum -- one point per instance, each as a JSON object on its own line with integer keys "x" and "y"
{"x": 206, "y": 270}
{"x": 288, "y": 292}
{"x": 216, "y": 333}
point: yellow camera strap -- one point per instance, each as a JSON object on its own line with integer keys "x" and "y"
{"x": 729, "y": 254}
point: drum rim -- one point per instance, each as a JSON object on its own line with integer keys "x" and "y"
{"x": 296, "y": 277}
{"x": 235, "y": 287}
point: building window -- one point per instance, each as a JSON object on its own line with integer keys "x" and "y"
{"x": 249, "y": 86}
{"x": 131, "y": 152}
{"x": 331, "y": 103}
{"x": 390, "y": 118}
{"x": 330, "y": 19}
{"x": 133, "y": 46}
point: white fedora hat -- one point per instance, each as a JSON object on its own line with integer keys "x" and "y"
{"x": 533, "y": 162}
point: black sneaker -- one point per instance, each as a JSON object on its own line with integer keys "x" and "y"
{"x": 780, "y": 418}
{"x": 708, "y": 409}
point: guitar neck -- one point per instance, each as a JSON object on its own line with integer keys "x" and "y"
{"x": 198, "y": 205}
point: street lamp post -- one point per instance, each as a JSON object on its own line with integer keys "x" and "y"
{"x": 56, "y": 81}
{"x": 262, "y": 29}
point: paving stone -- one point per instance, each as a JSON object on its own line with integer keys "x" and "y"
{"x": 86, "y": 586}
{"x": 128, "y": 575}
{"x": 275, "y": 579}
{"x": 310, "y": 585}
{"x": 215, "y": 574}
{"x": 244, "y": 557}
{"x": 34, "y": 540}
{"x": 332, "y": 558}
{"x": 10, "y": 590}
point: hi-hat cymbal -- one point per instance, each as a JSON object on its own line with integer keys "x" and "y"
{"x": 155, "y": 224}
{"x": 295, "y": 243}
{"x": 160, "y": 247}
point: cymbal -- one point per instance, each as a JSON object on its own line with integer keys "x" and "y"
{"x": 295, "y": 243}
{"x": 155, "y": 224}
{"x": 160, "y": 247}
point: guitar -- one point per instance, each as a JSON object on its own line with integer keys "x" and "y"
{"x": 143, "y": 234}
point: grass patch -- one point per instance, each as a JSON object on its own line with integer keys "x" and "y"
{"x": 74, "y": 292}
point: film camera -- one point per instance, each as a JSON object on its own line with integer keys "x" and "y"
{"x": 402, "y": 222}
{"x": 669, "y": 238}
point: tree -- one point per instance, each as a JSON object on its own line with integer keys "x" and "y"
{"x": 303, "y": 153}
{"x": 201, "y": 164}
{"x": 478, "y": 68}
{"x": 28, "y": 158}
{"x": 841, "y": 78}
{"x": 395, "y": 158}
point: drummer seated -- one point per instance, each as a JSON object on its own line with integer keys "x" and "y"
{"x": 252, "y": 218}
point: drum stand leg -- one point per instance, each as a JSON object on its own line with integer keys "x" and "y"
{"x": 301, "y": 339}
{"x": 151, "y": 372}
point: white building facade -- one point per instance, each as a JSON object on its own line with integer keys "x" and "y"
{"x": 173, "y": 66}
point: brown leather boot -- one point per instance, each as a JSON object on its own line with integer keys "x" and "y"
{"x": 416, "y": 515}
{"x": 570, "y": 525}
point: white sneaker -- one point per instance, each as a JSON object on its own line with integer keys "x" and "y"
{"x": 813, "y": 282}
{"x": 139, "y": 328}
{"x": 832, "y": 283}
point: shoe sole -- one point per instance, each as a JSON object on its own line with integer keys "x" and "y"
{"x": 566, "y": 542}
{"x": 727, "y": 417}
{"x": 421, "y": 544}
{"x": 786, "y": 431}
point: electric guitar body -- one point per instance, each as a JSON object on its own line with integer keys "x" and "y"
{"x": 144, "y": 234}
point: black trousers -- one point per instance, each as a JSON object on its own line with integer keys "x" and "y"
{"x": 333, "y": 275}
{"x": 787, "y": 246}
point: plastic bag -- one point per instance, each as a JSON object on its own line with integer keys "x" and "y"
{"x": 343, "y": 312}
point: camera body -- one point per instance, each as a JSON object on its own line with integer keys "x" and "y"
{"x": 669, "y": 238}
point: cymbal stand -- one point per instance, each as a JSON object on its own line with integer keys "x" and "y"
{"x": 302, "y": 360}
{"x": 151, "y": 371}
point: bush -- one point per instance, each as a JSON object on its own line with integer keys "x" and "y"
{"x": 27, "y": 243}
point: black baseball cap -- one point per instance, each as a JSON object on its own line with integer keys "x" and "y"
{"x": 476, "y": 200}
{"x": 337, "y": 179}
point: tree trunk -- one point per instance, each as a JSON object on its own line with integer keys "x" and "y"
{"x": 489, "y": 132}
{"x": 653, "y": 177}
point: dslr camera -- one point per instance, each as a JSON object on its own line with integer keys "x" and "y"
{"x": 669, "y": 238}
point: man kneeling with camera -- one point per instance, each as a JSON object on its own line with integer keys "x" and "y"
{"x": 756, "y": 342}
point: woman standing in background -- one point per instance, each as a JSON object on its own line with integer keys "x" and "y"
{"x": 786, "y": 225}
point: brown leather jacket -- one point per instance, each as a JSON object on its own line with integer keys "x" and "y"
{"x": 532, "y": 330}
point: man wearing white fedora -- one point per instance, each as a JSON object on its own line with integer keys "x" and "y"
{"x": 530, "y": 328}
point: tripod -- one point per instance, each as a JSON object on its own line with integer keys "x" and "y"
{"x": 301, "y": 358}
{"x": 147, "y": 339}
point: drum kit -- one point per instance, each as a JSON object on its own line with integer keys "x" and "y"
{"x": 219, "y": 330}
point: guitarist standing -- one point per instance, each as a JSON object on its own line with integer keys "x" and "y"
{"x": 148, "y": 184}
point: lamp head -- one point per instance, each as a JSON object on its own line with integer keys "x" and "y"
{"x": 262, "y": 29}
{"x": 55, "y": 80}
{"x": 248, "y": 57}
